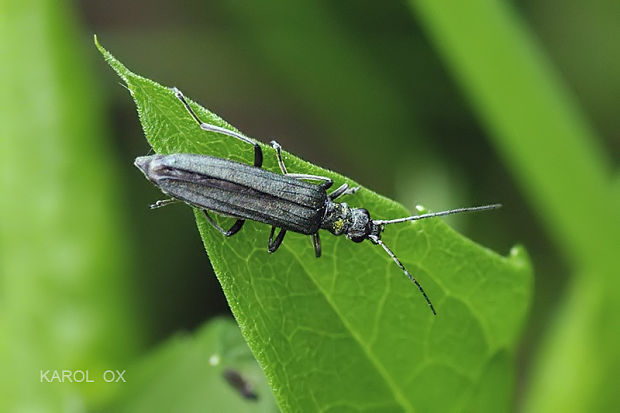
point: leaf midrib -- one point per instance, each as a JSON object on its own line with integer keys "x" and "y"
{"x": 396, "y": 391}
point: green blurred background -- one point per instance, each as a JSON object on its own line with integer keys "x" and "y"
{"x": 441, "y": 103}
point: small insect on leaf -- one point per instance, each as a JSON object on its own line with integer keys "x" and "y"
{"x": 240, "y": 383}
{"x": 285, "y": 201}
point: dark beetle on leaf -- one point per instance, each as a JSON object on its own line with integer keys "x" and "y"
{"x": 284, "y": 201}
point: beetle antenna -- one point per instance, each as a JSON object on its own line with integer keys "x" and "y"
{"x": 436, "y": 214}
{"x": 377, "y": 240}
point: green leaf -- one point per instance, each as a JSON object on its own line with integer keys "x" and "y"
{"x": 186, "y": 374}
{"x": 349, "y": 331}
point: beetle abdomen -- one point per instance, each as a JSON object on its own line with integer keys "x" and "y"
{"x": 238, "y": 190}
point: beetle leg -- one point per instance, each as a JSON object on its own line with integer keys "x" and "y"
{"x": 278, "y": 149}
{"x": 274, "y": 244}
{"x": 164, "y": 202}
{"x": 326, "y": 182}
{"x": 316, "y": 241}
{"x": 343, "y": 190}
{"x": 258, "y": 153}
{"x": 232, "y": 231}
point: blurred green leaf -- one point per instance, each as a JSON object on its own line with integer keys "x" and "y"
{"x": 63, "y": 252}
{"x": 349, "y": 331}
{"x": 186, "y": 374}
{"x": 556, "y": 157}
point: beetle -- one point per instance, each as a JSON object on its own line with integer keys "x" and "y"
{"x": 284, "y": 201}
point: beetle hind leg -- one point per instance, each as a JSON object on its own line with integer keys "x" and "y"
{"x": 258, "y": 152}
{"x": 163, "y": 202}
{"x": 232, "y": 231}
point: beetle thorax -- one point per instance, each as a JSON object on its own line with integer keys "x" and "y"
{"x": 354, "y": 223}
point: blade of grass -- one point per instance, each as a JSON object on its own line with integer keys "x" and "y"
{"x": 531, "y": 117}
{"x": 63, "y": 255}
{"x": 535, "y": 124}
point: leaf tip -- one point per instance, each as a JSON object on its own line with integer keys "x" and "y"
{"x": 101, "y": 49}
{"x": 118, "y": 67}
